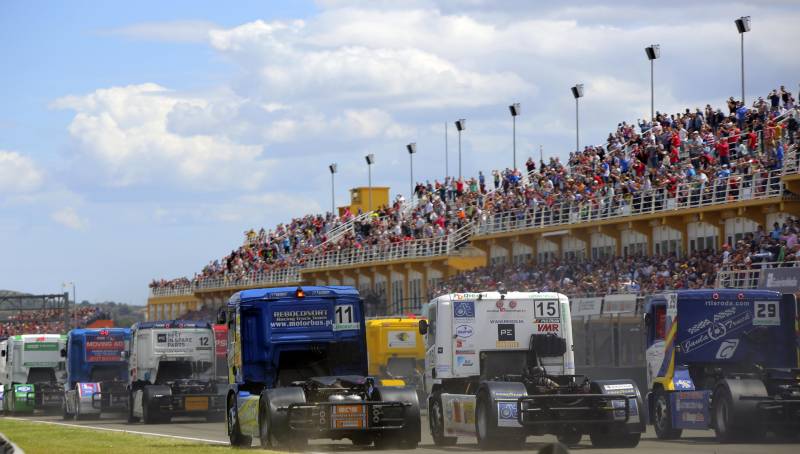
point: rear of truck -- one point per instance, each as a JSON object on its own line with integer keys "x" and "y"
{"x": 173, "y": 372}
{"x": 728, "y": 362}
{"x": 97, "y": 372}
{"x": 299, "y": 362}
{"x": 396, "y": 350}
{"x": 35, "y": 373}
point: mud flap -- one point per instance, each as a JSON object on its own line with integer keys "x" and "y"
{"x": 637, "y": 417}
{"x": 505, "y": 397}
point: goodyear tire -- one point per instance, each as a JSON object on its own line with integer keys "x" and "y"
{"x": 409, "y": 436}
{"x": 488, "y": 434}
{"x": 662, "y": 417}
{"x": 232, "y": 422}
{"x": 436, "y": 422}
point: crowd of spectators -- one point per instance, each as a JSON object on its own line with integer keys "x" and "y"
{"x": 46, "y": 321}
{"x": 706, "y": 153}
{"x": 639, "y": 273}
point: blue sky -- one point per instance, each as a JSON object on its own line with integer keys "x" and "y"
{"x": 140, "y": 139}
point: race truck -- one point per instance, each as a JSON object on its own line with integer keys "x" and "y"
{"x": 723, "y": 359}
{"x": 500, "y": 366}
{"x": 297, "y": 363}
{"x": 171, "y": 370}
{"x": 97, "y": 372}
{"x": 33, "y": 375}
{"x": 396, "y": 350}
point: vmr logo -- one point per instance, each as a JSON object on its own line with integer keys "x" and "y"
{"x": 727, "y": 349}
{"x": 547, "y": 327}
{"x": 505, "y": 332}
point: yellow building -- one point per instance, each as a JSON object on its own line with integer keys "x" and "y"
{"x": 359, "y": 199}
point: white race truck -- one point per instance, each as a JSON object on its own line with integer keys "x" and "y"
{"x": 33, "y": 372}
{"x": 500, "y": 366}
{"x": 172, "y": 372}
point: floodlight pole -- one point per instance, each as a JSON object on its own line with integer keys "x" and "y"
{"x": 333, "y": 170}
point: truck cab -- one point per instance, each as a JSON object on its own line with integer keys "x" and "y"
{"x": 97, "y": 372}
{"x": 723, "y": 359}
{"x": 500, "y": 366}
{"x": 34, "y": 373}
{"x": 172, "y": 372}
{"x": 297, "y": 363}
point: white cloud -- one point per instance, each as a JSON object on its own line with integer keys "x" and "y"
{"x": 18, "y": 173}
{"x": 125, "y": 131}
{"x": 69, "y": 218}
{"x": 186, "y": 31}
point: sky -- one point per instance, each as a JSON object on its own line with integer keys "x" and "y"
{"x": 139, "y": 140}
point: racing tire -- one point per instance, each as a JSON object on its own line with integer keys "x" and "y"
{"x": 131, "y": 417}
{"x": 436, "y": 422}
{"x": 662, "y": 418}
{"x": 66, "y": 416}
{"x": 725, "y": 427}
{"x": 265, "y": 435}
{"x": 489, "y": 437}
{"x": 270, "y": 438}
{"x": 570, "y": 436}
{"x": 617, "y": 437}
{"x": 235, "y": 436}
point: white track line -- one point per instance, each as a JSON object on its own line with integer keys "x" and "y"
{"x": 119, "y": 430}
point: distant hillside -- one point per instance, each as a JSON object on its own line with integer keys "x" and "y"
{"x": 11, "y": 293}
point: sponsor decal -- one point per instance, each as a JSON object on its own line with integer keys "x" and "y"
{"x": 161, "y": 338}
{"x": 465, "y": 352}
{"x": 625, "y": 386}
{"x": 683, "y": 384}
{"x": 402, "y": 339}
{"x": 464, "y": 309}
{"x": 716, "y": 331}
{"x": 506, "y": 344}
{"x": 507, "y": 410}
{"x": 464, "y": 331}
{"x": 300, "y": 318}
{"x": 24, "y": 389}
{"x": 512, "y": 304}
{"x": 727, "y": 348}
{"x": 440, "y": 350}
{"x": 547, "y": 327}
{"x": 494, "y": 322}
{"x": 463, "y": 361}
{"x": 41, "y": 346}
{"x": 506, "y": 332}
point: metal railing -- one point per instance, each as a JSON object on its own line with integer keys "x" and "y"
{"x": 430, "y": 247}
{"x": 272, "y": 277}
{"x": 731, "y": 276}
{"x": 659, "y": 200}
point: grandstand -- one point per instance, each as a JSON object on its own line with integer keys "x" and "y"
{"x": 684, "y": 201}
{"x": 22, "y": 313}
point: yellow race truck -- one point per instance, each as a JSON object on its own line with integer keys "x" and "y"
{"x": 396, "y": 350}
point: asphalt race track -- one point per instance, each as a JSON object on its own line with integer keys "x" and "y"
{"x": 199, "y": 430}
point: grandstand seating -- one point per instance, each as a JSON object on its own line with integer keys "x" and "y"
{"x": 640, "y": 194}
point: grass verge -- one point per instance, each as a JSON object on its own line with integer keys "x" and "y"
{"x": 36, "y": 438}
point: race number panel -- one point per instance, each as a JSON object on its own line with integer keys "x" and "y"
{"x": 546, "y": 309}
{"x": 767, "y": 313}
{"x": 344, "y": 318}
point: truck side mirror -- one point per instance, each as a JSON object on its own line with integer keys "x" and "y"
{"x": 222, "y": 316}
{"x": 648, "y": 318}
{"x": 63, "y": 352}
{"x": 3, "y": 353}
{"x": 124, "y": 354}
{"x": 423, "y": 327}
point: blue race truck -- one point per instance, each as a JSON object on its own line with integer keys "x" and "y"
{"x": 725, "y": 360}
{"x": 97, "y": 372}
{"x": 297, "y": 364}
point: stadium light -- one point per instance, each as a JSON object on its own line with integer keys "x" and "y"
{"x": 653, "y": 52}
{"x": 577, "y": 93}
{"x": 333, "y": 168}
{"x": 412, "y": 148}
{"x": 370, "y": 158}
{"x": 742, "y": 26}
{"x": 64, "y": 285}
{"x": 514, "y": 109}
{"x": 460, "y": 126}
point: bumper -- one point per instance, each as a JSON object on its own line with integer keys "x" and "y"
{"x": 190, "y": 404}
{"x": 45, "y": 399}
{"x": 110, "y": 401}
{"x": 580, "y": 409}
{"x": 783, "y": 412}
{"x": 339, "y": 419}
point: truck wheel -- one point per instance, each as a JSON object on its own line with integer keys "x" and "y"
{"x": 232, "y": 421}
{"x": 571, "y": 436}
{"x": 436, "y": 423}
{"x": 131, "y": 417}
{"x": 265, "y": 430}
{"x": 724, "y": 423}
{"x": 66, "y": 416}
{"x": 662, "y": 418}
{"x": 489, "y": 437}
